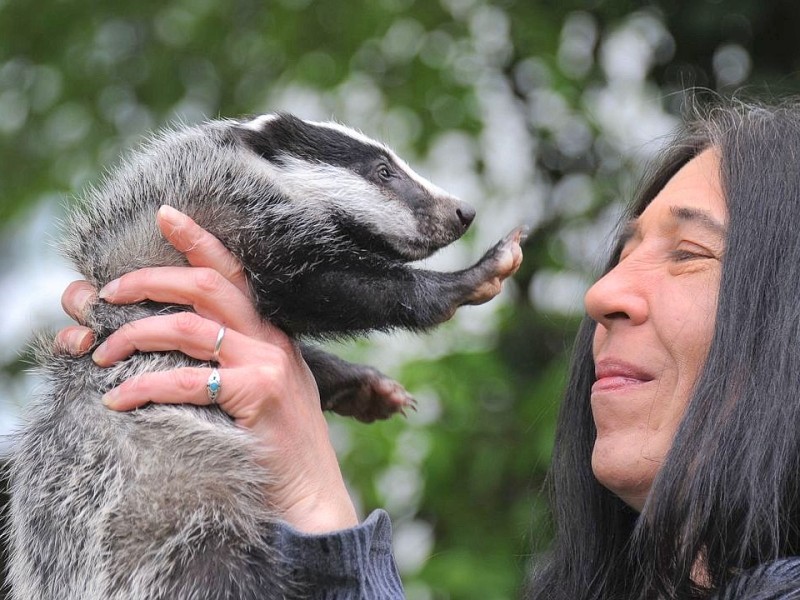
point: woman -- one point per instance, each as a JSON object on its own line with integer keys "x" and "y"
{"x": 675, "y": 472}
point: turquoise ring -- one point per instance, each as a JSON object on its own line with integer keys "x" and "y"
{"x": 213, "y": 386}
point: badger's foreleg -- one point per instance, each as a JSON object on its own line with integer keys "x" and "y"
{"x": 399, "y": 296}
{"x": 355, "y": 390}
{"x": 434, "y": 297}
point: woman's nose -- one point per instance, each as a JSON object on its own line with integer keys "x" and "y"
{"x": 618, "y": 295}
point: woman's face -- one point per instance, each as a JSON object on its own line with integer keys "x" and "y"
{"x": 655, "y": 313}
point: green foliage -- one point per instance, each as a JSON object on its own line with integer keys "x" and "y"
{"x": 545, "y": 107}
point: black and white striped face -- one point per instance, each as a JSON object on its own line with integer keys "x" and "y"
{"x": 340, "y": 174}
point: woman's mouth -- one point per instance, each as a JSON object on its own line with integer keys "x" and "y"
{"x": 617, "y": 375}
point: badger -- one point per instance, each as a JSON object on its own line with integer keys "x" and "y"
{"x": 168, "y": 501}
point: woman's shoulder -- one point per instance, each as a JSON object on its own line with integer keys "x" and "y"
{"x": 775, "y": 580}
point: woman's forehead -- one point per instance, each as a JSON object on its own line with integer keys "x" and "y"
{"x": 692, "y": 196}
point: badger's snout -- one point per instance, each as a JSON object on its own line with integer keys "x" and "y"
{"x": 454, "y": 217}
{"x": 465, "y": 214}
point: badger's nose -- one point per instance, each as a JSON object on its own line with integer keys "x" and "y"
{"x": 466, "y": 214}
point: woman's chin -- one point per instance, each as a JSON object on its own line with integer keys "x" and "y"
{"x": 626, "y": 474}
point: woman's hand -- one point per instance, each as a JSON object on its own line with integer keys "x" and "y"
{"x": 265, "y": 384}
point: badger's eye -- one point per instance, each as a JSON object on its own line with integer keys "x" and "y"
{"x": 384, "y": 172}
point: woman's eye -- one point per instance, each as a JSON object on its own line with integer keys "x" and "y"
{"x": 681, "y": 255}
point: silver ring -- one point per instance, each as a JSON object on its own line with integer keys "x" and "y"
{"x": 213, "y": 386}
{"x": 218, "y": 345}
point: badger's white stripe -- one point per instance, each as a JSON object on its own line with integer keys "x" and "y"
{"x": 259, "y": 122}
{"x": 351, "y": 133}
{"x": 358, "y": 136}
{"x": 322, "y": 189}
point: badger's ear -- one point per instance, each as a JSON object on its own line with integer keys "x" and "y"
{"x": 256, "y": 135}
{"x": 271, "y": 135}
{"x": 260, "y": 122}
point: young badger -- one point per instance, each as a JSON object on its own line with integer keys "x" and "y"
{"x": 167, "y": 502}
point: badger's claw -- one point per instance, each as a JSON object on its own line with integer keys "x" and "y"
{"x": 389, "y": 397}
{"x": 498, "y": 264}
{"x": 374, "y": 397}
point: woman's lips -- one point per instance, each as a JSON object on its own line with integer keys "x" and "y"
{"x": 609, "y": 384}
{"x": 616, "y": 375}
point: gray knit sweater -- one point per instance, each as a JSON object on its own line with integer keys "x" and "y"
{"x": 352, "y": 564}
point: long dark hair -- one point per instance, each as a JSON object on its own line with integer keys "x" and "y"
{"x": 727, "y": 497}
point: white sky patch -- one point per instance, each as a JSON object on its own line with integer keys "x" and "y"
{"x": 33, "y": 279}
{"x": 34, "y": 283}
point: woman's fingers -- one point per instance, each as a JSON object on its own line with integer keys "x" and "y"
{"x": 206, "y": 290}
{"x": 183, "y": 332}
{"x": 178, "y": 386}
{"x": 192, "y": 335}
{"x": 77, "y": 299}
{"x": 200, "y": 247}
{"x": 240, "y": 391}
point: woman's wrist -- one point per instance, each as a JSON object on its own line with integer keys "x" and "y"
{"x": 323, "y": 513}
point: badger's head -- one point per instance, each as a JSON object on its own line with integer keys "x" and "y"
{"x": 365, "y": 188}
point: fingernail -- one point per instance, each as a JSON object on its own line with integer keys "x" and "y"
{"x": 100, "y": 354}
{"x": 173, "y": 225}
{"x": 108, "y": 289}
{"x": 82, "y": 301}
{"x": 79, "y": 341}
{"x": 169, "y": 213}
{"x": 110, "y": 397}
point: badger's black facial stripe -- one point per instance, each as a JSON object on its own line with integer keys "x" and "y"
{"x": 393, "y": 179}
{"x": 286, "y": 134}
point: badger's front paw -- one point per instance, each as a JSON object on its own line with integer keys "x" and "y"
{"x": 498, "y": 264}
{"x": 374, "y": 396}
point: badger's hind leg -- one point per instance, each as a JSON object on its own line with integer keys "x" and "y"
{"x": 355, "y": 390}
{"x": 384, "y": 295}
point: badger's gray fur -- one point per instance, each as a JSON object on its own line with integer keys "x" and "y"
{"x": 168, "y": 502}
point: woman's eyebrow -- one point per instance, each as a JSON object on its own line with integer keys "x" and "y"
{"x": 681, "y": 214}
{"x": 700, "y": 217}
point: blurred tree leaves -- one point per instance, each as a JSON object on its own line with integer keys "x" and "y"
{"x": 536, "y": 111}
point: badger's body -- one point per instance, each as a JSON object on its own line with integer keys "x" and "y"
{"x": 169, "y": 501}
